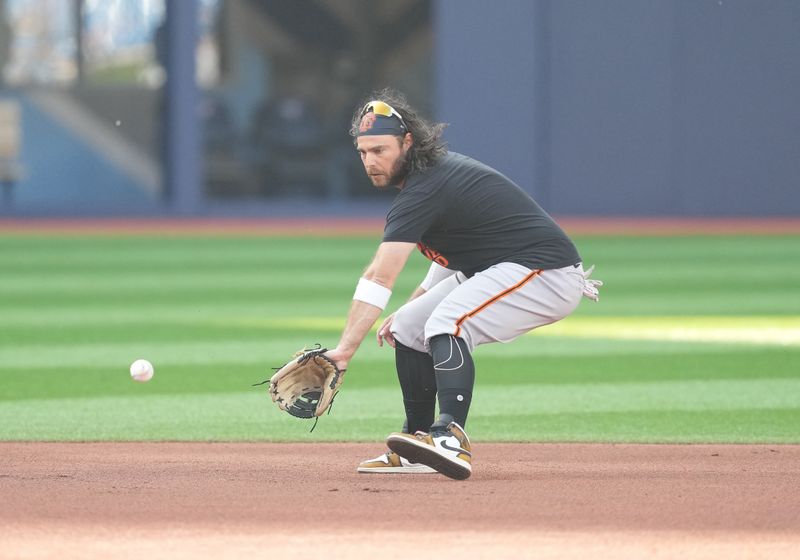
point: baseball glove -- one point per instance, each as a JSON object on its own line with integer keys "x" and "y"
{"x": 306, "y": 386}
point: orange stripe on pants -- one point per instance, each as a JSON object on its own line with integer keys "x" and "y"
{"x": 493, "y": 299}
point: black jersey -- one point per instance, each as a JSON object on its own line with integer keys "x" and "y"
{"x": 467, "y": 216}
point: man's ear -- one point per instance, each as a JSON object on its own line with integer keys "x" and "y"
{"x": 408, "y": 141}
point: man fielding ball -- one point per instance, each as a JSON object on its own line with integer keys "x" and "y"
{"x": 500, "y": 267}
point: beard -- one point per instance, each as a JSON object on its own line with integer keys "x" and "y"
{"x": 397, "y": 174}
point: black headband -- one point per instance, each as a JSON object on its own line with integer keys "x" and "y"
{"x": 379, "y": 118}
{"x": 377, "y": 125}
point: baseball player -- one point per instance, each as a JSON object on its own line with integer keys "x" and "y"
{"x": 500, "y": 267}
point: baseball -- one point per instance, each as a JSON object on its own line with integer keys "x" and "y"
{"x": 142, "y": 371}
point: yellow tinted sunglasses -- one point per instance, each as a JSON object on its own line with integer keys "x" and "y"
{"x": 384, "y": 109}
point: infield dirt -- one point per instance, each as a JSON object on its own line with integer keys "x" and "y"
{"x": 233, "y": 500}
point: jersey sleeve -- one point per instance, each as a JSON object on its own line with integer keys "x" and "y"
{"x": 412, "y": 214}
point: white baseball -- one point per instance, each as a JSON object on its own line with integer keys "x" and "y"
{"x": 142, "y": 371}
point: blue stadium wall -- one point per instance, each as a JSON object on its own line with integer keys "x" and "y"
{"x": 629, "y": 107}
{"x": 619, "y": 107}
{"x": 63, "y": 174}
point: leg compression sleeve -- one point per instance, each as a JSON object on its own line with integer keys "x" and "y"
{"x": 455, "y": 377}
{"x": 418, "y": 383}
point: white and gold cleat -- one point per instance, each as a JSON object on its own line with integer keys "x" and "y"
{"x": 448, "y": 452}
{"x": 391, "y": 462}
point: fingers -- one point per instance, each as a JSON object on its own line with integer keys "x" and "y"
{"x": 337, "y": 359}
{"x": 384, "y": 334}
{"x": 591, "y": 293}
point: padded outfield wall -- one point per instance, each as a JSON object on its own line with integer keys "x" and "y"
{"x": 623, "y": 107}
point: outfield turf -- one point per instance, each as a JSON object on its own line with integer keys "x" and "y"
{"x": 695, "y": 339}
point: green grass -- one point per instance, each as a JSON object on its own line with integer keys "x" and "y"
{"x": 695, "y": 339}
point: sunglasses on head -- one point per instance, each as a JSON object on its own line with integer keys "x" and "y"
{"x": 384, "y": 109}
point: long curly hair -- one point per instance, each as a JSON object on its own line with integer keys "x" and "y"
{"x": 428, "y": 146}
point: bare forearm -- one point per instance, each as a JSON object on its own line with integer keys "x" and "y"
{"x": 372, "y": 294}
{"x": 359, "y": 321}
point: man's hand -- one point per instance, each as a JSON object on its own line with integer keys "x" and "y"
{"x": 339, "y": 357}
{"x": 590, "y": 285}
{"x": 385, "y": 333}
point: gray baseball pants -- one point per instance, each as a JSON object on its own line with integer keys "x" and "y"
{"x": 496, "y": 305}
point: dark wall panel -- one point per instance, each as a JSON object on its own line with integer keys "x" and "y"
{"x": 610, "y": 86}
{"x": 625, "y": 107}
{"x": 485, "y": 81}
{"x": 737, "y": 107}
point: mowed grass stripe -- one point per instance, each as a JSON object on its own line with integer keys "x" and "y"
{"x": 254, "y": 349}
{"x": 74, "y": 284}
{"x": 285, "y": 300}
{"x": 252, "y": 417}
{"x": 171, "y": 254}
{"x": 376, "y": 370}
{"x": 108, "y": 328}
{"x": 148, "y": 275}
{"x": 626, "y": 248}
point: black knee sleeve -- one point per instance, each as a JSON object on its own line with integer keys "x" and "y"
{"x": 418, "y": 383}
{"x": 455, "y": 378}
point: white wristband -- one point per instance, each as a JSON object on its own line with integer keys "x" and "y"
{"x": 372, "y": 293}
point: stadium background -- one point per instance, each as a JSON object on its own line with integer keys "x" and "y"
{"x": 176, "y": 174}
{"x": 597, "y": 108}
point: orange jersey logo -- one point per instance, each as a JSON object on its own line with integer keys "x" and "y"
{"x": 433, "y": 255}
